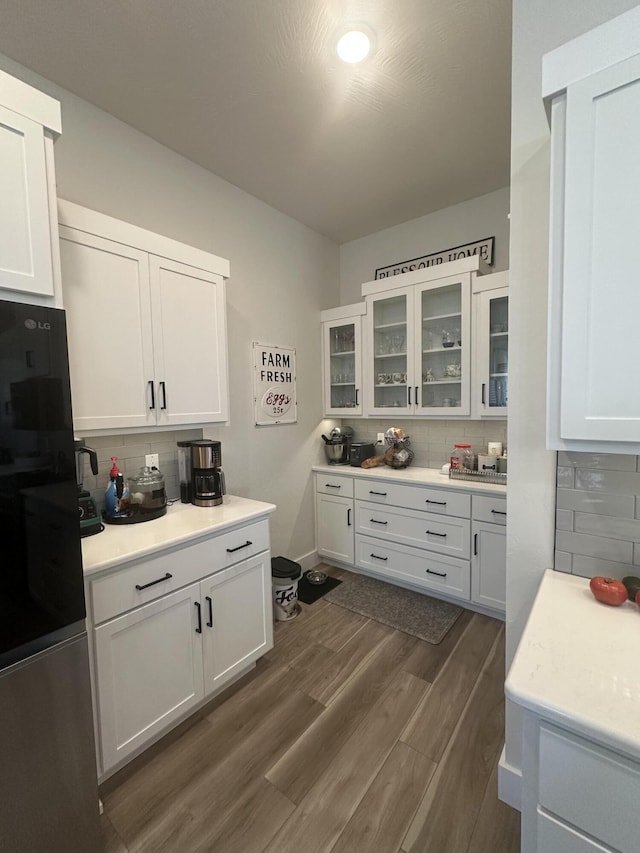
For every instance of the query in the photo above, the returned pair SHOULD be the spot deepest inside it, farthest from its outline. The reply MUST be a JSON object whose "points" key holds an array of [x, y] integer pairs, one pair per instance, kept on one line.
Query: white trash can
{"points": [[284, 580]]}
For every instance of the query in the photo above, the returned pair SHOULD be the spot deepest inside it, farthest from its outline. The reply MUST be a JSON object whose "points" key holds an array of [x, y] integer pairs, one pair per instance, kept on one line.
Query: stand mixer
{"points": [[88, 511]]}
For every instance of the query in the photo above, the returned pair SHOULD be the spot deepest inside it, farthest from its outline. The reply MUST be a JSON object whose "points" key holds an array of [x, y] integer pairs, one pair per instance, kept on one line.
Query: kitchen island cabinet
{"points": [[577, 678], [146, 321], [176, 612], [414, 527], [29, 263]]}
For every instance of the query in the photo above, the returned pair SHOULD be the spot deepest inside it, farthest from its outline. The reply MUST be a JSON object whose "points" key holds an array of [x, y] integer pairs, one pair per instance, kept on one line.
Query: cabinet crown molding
{"points": [[30, 103], [471, 264]]}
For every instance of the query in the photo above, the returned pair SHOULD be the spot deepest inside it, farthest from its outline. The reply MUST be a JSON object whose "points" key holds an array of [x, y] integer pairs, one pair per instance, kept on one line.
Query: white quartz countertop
{"points": [[119, 543], [414, 476], [578, 665]]}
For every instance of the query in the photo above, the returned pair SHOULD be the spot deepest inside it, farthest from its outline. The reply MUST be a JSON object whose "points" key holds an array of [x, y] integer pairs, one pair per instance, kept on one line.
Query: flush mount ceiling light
{"points": [[354, 46]]}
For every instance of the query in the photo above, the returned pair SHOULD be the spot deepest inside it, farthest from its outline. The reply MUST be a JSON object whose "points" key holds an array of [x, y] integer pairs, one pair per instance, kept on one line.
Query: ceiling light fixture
{"points": [[354, 46]]}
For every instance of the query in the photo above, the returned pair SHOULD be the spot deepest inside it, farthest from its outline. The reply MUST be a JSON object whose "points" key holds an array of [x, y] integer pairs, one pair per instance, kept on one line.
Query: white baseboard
{"points": [[509, 783], [308, 561]]}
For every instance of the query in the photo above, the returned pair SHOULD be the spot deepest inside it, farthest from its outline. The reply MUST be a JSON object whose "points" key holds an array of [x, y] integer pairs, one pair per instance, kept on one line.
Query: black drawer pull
{"points": [[475, 544], [498, 512], [199, 628], [349, 517], [433, 533], [483, 394], [376, 557], [375, 521], [380, 494], [331, 486], [207, 598], [153, 396], [439, 503], [164, 395], [239, 547], [153, 583], [439, 574]]}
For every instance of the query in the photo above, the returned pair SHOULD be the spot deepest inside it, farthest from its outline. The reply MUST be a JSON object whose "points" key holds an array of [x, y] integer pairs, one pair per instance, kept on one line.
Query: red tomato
{"points": [[638, 598], [608, 590]]}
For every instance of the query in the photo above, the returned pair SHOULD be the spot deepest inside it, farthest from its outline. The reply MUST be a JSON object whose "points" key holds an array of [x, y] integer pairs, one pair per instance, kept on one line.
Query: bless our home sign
{"points": [[483, 248], [274, 384]]}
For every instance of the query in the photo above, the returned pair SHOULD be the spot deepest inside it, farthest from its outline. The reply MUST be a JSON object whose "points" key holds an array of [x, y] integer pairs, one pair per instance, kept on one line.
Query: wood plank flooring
{"points": [[348, 737]]}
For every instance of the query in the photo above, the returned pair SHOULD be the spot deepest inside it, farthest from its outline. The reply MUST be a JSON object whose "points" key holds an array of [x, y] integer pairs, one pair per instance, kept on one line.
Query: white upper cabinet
{"points": [[342, 360], [490, 379], [592, 88], [146, 322], [29, 121], [418, 342]]}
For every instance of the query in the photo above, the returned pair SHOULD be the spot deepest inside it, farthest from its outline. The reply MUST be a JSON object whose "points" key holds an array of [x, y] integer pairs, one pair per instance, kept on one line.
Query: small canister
{"points": [[487, 462], [462, 457], [494, 448]]}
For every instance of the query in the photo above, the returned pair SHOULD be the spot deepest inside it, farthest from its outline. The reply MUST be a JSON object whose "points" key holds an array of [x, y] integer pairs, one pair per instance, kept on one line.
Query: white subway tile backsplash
{"points": [[562, 562], [608, 526], [601, 547], [589, 567], [564, 519], [602, 503], [620, 482], [565, 478], [608, 461]]}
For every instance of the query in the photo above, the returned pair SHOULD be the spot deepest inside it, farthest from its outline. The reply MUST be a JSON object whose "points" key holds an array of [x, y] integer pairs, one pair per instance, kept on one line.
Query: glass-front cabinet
{"points": [[490, 393], [342, 360], [418, 343]]}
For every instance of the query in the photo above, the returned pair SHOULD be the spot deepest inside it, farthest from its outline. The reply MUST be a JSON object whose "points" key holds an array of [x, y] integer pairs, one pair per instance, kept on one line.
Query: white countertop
{"points": [[119, 543], [577, 663], [415, 476]]}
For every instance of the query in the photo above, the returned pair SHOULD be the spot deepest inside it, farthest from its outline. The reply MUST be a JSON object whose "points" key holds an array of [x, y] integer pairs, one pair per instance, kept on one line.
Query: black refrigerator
{"points": [[48, 777]]}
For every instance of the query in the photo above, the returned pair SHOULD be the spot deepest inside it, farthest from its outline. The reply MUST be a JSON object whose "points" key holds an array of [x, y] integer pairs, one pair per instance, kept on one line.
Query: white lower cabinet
{"points": [[416, 535], [156, 662]]}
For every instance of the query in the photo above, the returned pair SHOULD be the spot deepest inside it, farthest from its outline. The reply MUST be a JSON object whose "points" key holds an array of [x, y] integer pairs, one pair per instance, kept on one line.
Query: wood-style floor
{"points": [[349, 737]]}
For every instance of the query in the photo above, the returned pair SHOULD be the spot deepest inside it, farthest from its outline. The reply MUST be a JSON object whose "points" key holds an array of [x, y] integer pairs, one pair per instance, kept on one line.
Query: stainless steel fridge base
{"points": [[48, 777]]}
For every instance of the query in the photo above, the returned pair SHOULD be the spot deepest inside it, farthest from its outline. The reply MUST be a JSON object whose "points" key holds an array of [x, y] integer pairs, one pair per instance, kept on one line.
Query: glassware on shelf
{"points": [[447, 340]]}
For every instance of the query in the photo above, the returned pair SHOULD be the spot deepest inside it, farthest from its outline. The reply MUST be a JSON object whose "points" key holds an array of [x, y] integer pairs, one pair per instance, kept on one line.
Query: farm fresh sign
{"points": [[483, 248], [274, 384]]}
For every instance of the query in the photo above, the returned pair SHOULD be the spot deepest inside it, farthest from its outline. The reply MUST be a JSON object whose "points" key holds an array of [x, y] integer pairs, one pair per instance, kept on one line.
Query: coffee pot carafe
{"points": [[207, 477]]}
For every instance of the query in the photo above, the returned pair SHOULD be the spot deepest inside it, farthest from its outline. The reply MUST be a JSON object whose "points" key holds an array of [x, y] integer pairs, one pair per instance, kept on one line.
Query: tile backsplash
{"points": [[131, 450], [432, 441], [598, 514]]}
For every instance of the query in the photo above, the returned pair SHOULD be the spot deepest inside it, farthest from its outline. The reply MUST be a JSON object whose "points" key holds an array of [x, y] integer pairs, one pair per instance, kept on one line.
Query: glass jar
{"points": [[462, 457]]}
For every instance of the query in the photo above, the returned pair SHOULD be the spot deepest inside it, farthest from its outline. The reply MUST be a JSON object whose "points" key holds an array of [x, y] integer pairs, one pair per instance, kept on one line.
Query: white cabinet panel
{"points": [[489, 565], [342, 360], [490, 390], [334, 527], [556, 837]]}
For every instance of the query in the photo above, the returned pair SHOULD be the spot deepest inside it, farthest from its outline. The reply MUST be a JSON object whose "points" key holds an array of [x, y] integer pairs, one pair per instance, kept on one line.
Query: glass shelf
{"points": [[438, 317], [384, 327]]}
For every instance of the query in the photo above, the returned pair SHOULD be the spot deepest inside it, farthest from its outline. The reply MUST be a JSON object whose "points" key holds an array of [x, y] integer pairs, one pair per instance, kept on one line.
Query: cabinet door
{"points": [[25, 231], [189, 342], [489, 565], [443, 336], [106, 296], [598, 257], [148, 670], [491, 329], [342, 367], [334, 528], [237, 619], [389, 372]]}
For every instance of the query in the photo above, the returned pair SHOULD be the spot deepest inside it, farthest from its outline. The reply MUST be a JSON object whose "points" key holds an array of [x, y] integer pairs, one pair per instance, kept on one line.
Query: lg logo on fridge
{"points": [[36, 324]]}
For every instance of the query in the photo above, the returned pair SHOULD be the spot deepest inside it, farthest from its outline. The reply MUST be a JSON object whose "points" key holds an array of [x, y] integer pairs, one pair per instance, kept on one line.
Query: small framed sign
{"points": [[274, 384]]}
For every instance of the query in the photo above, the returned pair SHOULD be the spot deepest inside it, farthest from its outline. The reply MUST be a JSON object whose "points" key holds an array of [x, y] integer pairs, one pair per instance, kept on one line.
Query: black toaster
{"points": [[359, 452]]}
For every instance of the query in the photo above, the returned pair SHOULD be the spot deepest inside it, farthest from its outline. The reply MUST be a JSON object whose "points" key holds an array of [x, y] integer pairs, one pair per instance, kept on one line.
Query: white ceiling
{"points": [[253, 91]]}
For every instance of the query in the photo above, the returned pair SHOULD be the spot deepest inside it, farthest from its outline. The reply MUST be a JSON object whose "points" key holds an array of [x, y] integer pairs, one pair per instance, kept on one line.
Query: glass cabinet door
{"points": [[491, 391], [391, 336], [342, 368], [443, 359]]}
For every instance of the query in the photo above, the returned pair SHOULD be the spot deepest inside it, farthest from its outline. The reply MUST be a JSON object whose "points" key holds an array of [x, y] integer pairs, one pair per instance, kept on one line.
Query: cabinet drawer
{"points": [[565, 759], [119, 591], [420, 529], [554, 836], [489, 509], [422, 568], [441, 501], [334, 484]]}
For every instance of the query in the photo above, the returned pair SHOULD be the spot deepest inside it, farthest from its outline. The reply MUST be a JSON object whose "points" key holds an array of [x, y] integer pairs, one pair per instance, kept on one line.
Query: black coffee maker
{"points": [[207, 477]]}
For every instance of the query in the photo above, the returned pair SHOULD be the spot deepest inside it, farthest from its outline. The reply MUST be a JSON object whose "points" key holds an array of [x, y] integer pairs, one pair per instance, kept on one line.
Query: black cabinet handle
{"points": [[475, 544], [199, 628], [331, 486], [164, 395], [439, 574], [349, 517], [380, 494], [375, 521], [416, 395], [207, 598], [376, 557], [239, 547], [483, 393], [498, 512], [153, 395], [439, 503], [433, 533], [409, 395], [153, 583], [357, 404]]}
